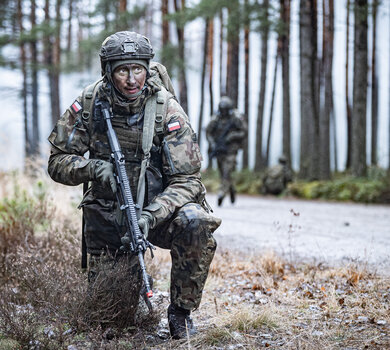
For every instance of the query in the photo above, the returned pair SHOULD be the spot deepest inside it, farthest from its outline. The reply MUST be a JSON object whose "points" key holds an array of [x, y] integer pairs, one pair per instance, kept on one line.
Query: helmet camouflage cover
{"points": [[125, 45]]}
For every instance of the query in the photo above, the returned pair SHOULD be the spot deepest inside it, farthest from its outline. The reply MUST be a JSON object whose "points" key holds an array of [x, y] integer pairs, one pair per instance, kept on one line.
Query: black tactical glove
{"points": [[144, 222], [104, 174]]}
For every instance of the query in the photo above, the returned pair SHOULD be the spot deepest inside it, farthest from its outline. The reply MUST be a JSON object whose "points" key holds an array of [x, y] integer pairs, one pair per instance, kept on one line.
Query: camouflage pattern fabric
{"points": [[233, 142], [276, 179], [192, 245], [236, 134], [177, 159], [226, 166]]}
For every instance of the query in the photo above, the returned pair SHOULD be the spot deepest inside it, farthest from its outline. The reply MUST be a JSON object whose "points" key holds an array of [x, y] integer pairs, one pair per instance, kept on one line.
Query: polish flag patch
{"points": [[174, 126], [76, 106]]}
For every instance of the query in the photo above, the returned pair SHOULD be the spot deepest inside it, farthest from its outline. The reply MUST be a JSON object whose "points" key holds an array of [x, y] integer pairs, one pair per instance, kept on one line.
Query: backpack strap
{"points": [[88, 98], [155, 110], [161, 110]]}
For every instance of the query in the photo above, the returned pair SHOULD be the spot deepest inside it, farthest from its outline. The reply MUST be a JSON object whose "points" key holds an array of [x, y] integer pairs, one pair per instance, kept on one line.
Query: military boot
{"points": [[180, 322], [232, 194], [220, 199]]}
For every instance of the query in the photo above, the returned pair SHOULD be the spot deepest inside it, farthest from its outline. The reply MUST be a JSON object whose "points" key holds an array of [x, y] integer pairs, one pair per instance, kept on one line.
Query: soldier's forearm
{"points": [[70, 169], [180, 191]]}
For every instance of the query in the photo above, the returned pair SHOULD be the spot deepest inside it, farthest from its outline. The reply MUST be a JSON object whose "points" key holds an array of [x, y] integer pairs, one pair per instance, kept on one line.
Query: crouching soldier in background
{"points": [[225, 134], [277, 177], [162, 161]]}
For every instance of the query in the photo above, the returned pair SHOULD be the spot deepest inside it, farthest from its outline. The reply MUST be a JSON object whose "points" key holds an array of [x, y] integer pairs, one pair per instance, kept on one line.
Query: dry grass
{"points": [[249, 302]]}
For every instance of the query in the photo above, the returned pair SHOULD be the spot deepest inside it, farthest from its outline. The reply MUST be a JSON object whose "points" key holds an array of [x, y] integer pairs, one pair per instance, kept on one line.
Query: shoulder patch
{"points": [[174, 126], [76, 106]]}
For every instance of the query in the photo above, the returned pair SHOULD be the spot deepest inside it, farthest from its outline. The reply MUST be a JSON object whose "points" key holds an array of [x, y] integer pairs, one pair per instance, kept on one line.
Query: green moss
{"points": [[344, 188]]}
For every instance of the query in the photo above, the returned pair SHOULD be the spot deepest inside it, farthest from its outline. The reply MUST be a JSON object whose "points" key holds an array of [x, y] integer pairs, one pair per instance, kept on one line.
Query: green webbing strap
{"points": [[155, 110], [147, 140], [88, 97], [162, 97]]}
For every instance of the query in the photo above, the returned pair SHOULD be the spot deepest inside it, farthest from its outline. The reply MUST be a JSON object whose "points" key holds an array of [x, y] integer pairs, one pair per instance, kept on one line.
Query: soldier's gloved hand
{"points": [[144, 222], [104, 174], [230, 138]]}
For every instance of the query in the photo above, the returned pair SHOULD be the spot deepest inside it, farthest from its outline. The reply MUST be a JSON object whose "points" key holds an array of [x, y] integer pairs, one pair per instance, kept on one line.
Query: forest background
{"points": [[311, 77], [326, 108]]}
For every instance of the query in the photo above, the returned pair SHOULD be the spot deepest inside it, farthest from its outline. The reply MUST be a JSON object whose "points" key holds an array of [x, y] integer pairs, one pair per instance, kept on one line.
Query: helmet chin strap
{"points": [[134, 96]]}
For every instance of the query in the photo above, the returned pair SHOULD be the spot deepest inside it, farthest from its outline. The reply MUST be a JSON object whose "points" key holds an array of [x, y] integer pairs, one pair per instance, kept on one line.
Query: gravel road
{"points": [[315, 230]]}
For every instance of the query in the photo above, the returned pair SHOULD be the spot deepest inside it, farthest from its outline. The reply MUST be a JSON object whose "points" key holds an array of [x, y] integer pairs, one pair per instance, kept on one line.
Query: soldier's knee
{"points": [[197, 226]]}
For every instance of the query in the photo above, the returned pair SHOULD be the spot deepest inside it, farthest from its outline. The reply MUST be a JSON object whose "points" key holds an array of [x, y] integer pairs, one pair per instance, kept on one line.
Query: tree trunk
{"points": [[210, 60], [200, 122], [233, 50], [165, 23], [327, 65], [285, 6], [360, 71], [222, 83], [245, 159], [374, 89], [34, 85], [182, 70], [259, 160], [309, 90], [121, 19], [347, 101], [271, 112], [55, 102], [48, 60], [80, 36], [23, 59], [69, 38], [106, 14]]}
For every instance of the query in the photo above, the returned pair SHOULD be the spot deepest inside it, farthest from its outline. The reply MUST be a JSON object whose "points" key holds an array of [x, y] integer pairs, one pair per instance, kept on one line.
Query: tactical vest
{"points": [[141, 154], [137, 146]]}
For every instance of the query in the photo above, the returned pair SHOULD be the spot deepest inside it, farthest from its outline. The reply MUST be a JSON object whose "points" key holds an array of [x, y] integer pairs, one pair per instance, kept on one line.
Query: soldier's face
{"points": [[129, 79], [225, 112]]}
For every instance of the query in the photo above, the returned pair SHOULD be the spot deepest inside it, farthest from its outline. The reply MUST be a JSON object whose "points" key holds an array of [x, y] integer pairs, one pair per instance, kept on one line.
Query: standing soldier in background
{"points": [[225, 134], [277, 177], [162, 160]]}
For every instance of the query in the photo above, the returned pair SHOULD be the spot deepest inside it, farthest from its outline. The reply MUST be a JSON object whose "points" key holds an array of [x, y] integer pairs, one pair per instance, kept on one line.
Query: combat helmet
{"points": [[282, 159], [125, 46], [225, 105]]}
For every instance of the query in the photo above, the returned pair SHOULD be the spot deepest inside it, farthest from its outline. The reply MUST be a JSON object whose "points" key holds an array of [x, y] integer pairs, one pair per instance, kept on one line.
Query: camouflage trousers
{"points": [[189, 237], [226, 166]]}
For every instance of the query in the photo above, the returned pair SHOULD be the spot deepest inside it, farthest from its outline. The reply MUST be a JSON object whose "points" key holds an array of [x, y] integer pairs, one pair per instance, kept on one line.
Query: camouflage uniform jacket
{"points": [[233, 138], [176, 161]]}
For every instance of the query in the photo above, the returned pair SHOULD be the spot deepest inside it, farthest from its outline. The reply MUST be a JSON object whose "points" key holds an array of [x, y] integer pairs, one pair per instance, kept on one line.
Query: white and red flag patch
{"points": [[174, 126], [76, 106]]}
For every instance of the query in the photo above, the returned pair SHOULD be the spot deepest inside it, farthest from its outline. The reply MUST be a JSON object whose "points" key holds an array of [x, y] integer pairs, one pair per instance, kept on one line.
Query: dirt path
{"points": [[321, 231]]}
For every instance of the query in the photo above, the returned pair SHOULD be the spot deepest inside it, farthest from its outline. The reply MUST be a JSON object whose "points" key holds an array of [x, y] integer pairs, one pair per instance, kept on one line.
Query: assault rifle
{"points": [[133, 241], [220, 146]]}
